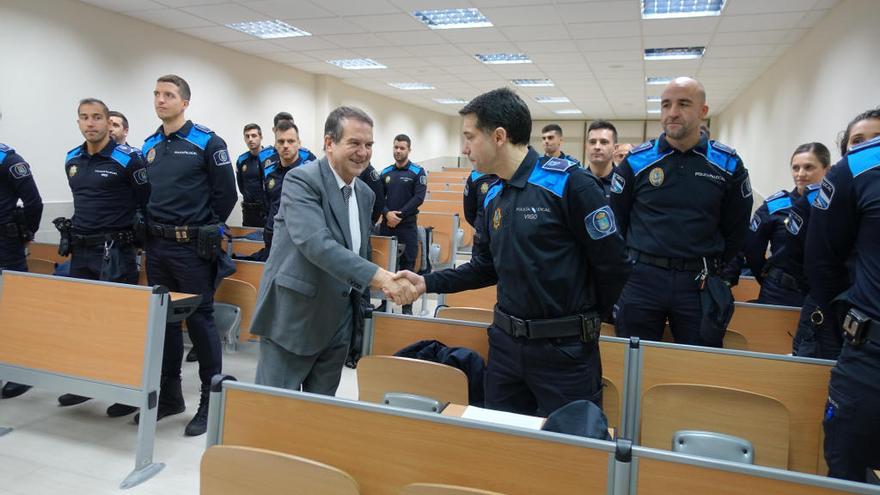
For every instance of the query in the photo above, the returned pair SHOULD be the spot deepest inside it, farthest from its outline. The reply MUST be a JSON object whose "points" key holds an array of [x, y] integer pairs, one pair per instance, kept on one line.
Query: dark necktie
{"points": [[346, 194]]}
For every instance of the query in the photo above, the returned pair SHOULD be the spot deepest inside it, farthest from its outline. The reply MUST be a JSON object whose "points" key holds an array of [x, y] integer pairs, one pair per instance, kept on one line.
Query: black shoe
{"points": [[191, 356], [199, 424], [407, 309], [12, 389], [119, 410], [170, 399], [71, 400]]}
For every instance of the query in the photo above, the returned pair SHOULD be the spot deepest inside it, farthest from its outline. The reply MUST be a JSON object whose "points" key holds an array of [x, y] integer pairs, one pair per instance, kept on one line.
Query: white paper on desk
{"points": [[503, 418]]}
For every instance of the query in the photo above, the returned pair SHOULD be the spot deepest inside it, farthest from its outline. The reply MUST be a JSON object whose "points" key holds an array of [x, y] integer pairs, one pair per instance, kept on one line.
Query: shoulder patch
{"points": [[476, 175], [493, 191], [20, 170], [73, 153], [415, 168], [125, 149], [558, 164], [374, 175], [242, 157], [746, 188], [5, 148], [722, 157], [777, 194], [387, 169], [778, 204], [150, 142], [723, 148], [812, 191], [203, 128], [617, 183], [864, 157], [221, 158], [268, 169], [141, 177], [199, 135], [793, 223], [4, 152], [120, 156], [266, 153], [600, 223], [644, 155], [825, 194], [552, 179]]}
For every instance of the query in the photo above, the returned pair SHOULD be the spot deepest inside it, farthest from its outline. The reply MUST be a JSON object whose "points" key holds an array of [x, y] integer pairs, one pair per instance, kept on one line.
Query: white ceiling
{"points": [[591, 49]]}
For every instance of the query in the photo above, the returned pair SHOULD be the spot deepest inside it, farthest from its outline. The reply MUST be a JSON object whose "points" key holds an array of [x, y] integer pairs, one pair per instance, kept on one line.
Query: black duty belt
{"points": [[586, 326], [679, 264], [783, 279], [183, 233], [859, 328], [122, 237]]}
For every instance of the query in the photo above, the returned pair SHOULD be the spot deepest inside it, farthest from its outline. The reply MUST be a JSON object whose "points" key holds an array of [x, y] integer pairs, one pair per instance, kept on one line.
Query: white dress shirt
{"points": [[354, 222]]}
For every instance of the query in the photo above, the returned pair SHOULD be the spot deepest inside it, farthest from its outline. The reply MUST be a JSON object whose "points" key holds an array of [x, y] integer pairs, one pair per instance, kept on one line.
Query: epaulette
{"points": [[811, 191], [266, 153], [387, 169], [778, 204], [494, 189], [73, 153], [4, 152], [558, 164], [864, 157], [415, 168], [644, 155], [551, 175], [122, 154], [242, 157], [151, 141], [476, 175], [777, 194], [304, 155], [199, 135], [722, 156]]}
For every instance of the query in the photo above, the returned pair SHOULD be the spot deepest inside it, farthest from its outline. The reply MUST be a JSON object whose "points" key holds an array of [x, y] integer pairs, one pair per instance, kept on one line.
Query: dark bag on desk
{"points": [[716, 300]]}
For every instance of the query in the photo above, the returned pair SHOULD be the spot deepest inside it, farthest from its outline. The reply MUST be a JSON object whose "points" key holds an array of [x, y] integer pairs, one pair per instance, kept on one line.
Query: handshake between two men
{"points": [[402, 287]]}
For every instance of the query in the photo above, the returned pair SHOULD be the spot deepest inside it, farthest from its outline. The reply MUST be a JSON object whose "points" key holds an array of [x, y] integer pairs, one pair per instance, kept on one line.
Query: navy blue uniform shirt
{"points": [[548, 240], [249, 176], [108, 187], [845, 220], [689, 205], [273, 178], [768, 226], [16, 182], [475, 190], [372, 179], [405, 190], [191, 177], [606, 181], [796, 227]]}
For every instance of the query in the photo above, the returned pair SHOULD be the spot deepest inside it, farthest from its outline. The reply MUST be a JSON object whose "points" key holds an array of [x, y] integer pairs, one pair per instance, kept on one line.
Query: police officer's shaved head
{"points": [[690, 84], [501, 108], [182, 85], [682, 110]]}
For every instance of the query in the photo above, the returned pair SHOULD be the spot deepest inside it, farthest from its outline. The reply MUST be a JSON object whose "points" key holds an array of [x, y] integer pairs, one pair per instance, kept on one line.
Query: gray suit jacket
{"points": [[311, 269]]}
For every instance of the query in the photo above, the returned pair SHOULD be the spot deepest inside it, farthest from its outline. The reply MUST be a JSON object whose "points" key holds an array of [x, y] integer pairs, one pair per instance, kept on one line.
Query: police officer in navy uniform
{"points": [[551, 137], [405, 186], [109, 185], [193, 193], [601, 140], [551, 244], [17, 224], [845, 220], [284, 157], [249, 177], [682, 203], [475, 189], [371, 177]]}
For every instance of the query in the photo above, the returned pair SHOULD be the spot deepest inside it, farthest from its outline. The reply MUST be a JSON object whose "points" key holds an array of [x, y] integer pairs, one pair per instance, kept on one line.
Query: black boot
{"points": [[12, 389], [118, 410], [71, 400], [191, 356], [199, 423], [170, 399]]}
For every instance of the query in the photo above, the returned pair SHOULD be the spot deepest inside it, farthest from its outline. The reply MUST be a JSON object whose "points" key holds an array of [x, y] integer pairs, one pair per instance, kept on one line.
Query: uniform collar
{"points": [[521, 176], [401, 168], [701, 147], [183, 131], [106, 151]]}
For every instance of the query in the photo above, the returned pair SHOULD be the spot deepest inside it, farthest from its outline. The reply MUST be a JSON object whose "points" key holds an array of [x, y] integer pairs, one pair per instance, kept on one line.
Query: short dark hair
{"points": [[819, 150], [93, 101], [333, 124], [114, 113], [602, 124], [866, 115], [405, 138], [281, 116], [501, 108], [182, 85], [251, 127], [552, 128], [286, 125]]}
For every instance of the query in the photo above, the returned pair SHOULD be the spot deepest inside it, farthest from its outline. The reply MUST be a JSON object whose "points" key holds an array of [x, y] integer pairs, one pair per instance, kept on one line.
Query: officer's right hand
{"points": [[416, 280], [392, 218]]}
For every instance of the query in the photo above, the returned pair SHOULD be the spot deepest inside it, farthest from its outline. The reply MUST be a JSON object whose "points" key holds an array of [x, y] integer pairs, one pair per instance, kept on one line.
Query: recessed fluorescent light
{"points": [[569, 111], [552, 99], [503, 58], [411, 86], [668, 9], [452, 18], [657, 81], [356, 63], [678, 53], [268, 29], [450, 101], [533, 83], [653, 99], [654, 111]]}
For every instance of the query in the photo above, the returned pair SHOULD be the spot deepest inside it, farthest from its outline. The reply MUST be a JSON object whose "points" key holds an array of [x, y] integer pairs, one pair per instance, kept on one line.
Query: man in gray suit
{"points": [[317, 272]]}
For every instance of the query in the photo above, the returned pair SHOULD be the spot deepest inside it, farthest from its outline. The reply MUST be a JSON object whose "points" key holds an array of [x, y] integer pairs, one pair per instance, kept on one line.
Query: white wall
{"points": [[810, 94], [56, 52]]}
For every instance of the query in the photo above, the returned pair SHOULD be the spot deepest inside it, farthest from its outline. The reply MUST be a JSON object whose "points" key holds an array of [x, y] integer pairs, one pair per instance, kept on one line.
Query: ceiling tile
{"points": [[329, 25], [125, 5], [741, 7], [305, 43], [356, 40], [590, 30], [479, 35], [754, 38], [382, 52], [527, 33], [217, 34], [432, 50], [289, 57], [503, 3], [225, 13], [674, 40], [530, 15], [284, 9], [256, 47], [743, 23], [187, 3], [697, 25], [349, 8], [424, 37], [547, 47], [811, 18], [610, 44], [387, 22], [598, 11], [724, 51], [171, 19]]}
